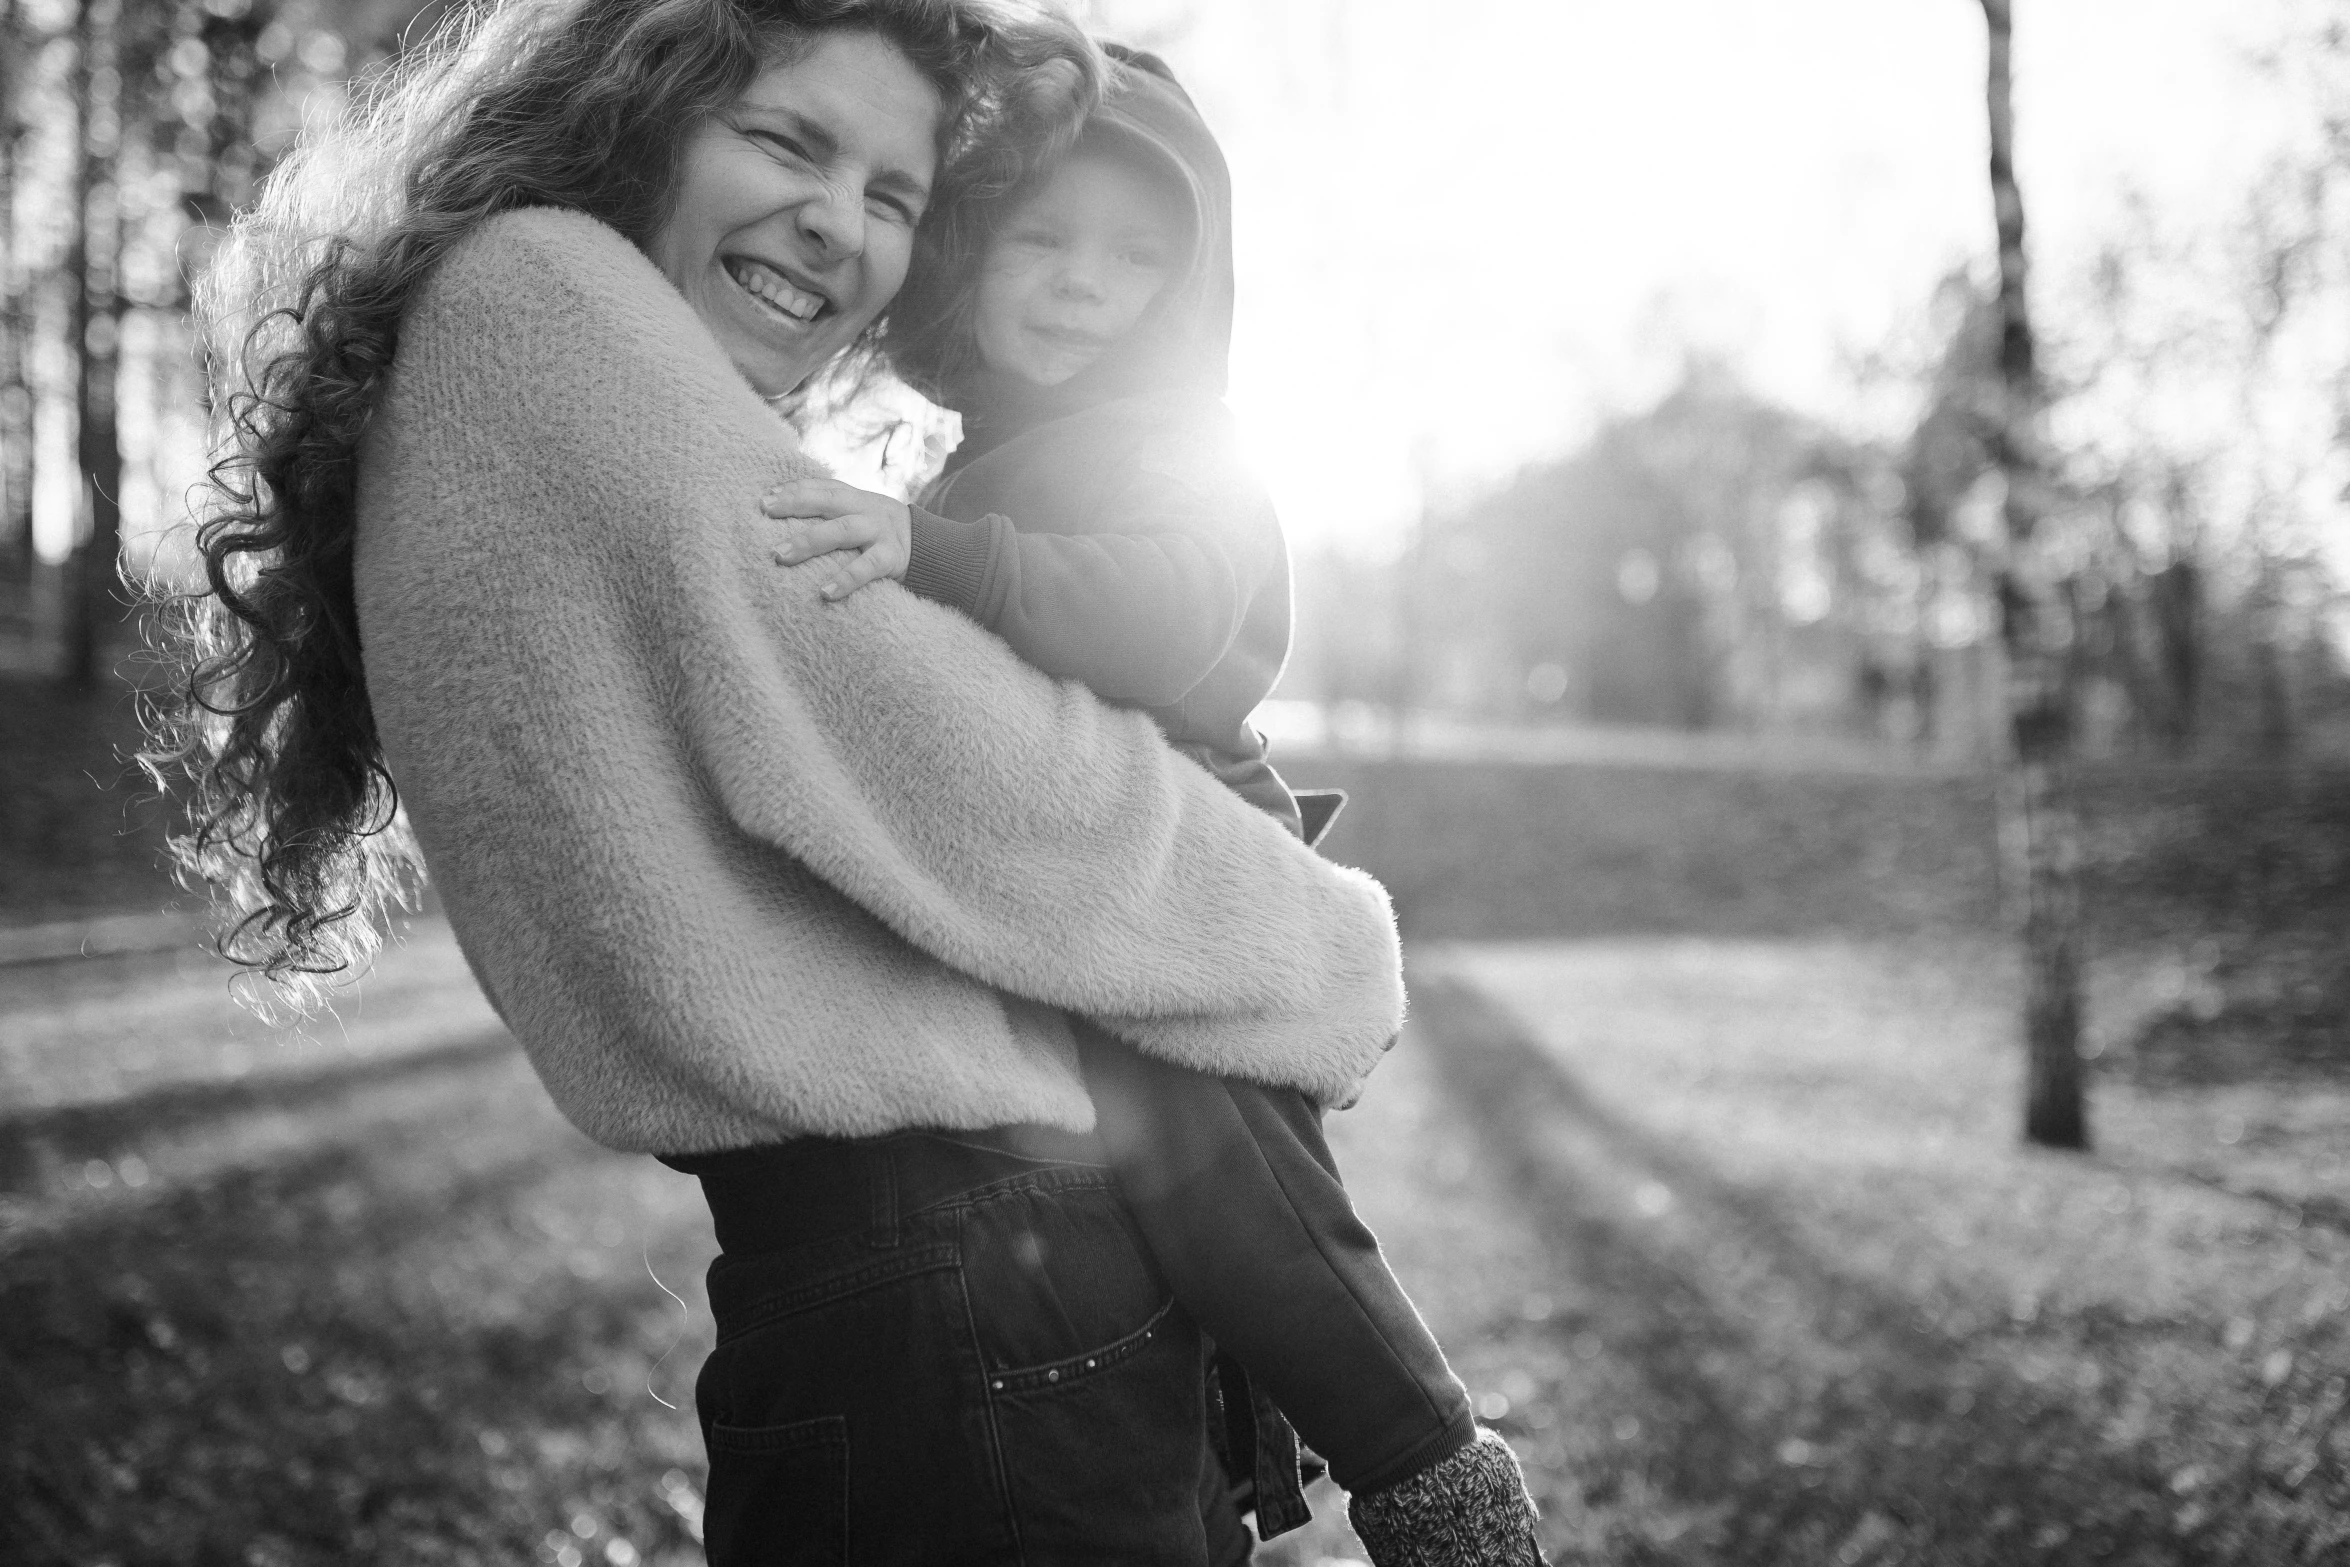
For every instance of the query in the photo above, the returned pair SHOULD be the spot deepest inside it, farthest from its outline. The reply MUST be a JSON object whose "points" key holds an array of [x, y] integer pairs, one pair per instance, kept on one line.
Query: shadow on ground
{"points": [[425, 1329], [1791, 1409]]}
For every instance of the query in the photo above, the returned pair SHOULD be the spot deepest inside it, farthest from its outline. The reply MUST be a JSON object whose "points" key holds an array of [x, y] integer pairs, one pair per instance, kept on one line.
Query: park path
{"points": [[1731, 1238]]}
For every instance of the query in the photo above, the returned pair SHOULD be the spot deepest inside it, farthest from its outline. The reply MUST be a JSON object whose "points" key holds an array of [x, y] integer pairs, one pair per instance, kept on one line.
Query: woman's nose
{"points": [[835, 220]]}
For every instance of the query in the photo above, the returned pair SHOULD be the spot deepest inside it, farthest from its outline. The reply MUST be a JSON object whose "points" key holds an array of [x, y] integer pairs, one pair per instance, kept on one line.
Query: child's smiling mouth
{"points": [[1071, 339], [774, 292]]}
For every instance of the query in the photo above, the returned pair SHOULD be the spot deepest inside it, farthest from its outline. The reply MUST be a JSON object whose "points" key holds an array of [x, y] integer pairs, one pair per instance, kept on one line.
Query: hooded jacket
{"points": [[1107, 527]]}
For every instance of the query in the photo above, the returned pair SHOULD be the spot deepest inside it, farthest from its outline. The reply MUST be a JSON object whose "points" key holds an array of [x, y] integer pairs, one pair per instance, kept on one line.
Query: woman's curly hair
{"points": [[266, 729]]}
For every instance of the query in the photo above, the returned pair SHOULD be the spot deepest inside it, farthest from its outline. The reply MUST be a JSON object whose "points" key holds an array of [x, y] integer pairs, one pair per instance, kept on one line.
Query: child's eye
{"points": [[1148, 260]]}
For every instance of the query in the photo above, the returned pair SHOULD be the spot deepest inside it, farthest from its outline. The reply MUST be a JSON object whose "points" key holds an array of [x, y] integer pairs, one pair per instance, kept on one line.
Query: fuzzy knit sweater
{"points": [[736, 864]]}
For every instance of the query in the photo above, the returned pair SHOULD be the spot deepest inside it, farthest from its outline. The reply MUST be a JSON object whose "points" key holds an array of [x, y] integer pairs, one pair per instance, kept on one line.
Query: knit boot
{"points": [[1471, 1510]]}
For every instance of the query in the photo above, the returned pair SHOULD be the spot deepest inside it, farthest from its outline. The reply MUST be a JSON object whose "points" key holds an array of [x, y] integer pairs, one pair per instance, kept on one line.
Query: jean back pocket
{"points": [[779, 1494], [1095, 1380]]}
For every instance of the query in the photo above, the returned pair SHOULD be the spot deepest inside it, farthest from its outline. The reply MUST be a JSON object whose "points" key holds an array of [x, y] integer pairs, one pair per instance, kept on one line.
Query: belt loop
{"points": [[885, 1194]]}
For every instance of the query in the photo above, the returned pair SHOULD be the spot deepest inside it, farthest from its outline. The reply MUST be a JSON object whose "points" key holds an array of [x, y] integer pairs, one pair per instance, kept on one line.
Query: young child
{"points": [[1097, 518]]}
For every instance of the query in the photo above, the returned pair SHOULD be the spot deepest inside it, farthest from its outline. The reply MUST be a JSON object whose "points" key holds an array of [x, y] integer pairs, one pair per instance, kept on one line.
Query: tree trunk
{"points": [[1929, 692], [2040, 820], [94, 286], [16, 399], [1403, 672], [233, 74], [2176, 593], [2272, 691]]}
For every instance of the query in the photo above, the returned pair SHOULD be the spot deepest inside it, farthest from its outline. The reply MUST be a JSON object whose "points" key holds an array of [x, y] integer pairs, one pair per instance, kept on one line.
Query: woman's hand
{"points": [[827, 515]]}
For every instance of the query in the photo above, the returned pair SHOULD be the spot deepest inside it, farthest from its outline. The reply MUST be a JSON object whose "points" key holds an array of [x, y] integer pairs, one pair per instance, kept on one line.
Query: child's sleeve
{"points": [[1142, 607]]}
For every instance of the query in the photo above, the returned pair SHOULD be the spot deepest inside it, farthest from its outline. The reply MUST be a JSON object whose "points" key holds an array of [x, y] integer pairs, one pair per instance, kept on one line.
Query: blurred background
{"points": [[1676, 556]]}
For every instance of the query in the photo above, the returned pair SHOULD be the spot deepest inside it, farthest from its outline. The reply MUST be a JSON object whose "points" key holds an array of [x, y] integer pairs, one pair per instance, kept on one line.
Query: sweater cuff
{"points": [[947, 560]]}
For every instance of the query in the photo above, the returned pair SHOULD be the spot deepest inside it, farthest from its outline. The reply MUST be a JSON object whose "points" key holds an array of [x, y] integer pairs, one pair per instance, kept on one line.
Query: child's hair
{"points": [[930, 337], [580, 104]]}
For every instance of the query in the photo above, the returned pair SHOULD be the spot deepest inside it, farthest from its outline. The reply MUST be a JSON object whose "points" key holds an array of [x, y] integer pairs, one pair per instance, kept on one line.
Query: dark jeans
{"points": [[1237, 1194], [948, 1348]]}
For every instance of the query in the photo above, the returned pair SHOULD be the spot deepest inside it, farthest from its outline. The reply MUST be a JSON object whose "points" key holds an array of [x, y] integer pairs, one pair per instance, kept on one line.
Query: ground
{"points": [[1735, 1239], [1731, 1236], [360, 1295], [1712, 1189]]}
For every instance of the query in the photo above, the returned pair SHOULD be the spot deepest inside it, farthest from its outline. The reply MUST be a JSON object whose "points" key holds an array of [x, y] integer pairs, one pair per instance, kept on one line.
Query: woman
{"points": [[738, 867]]}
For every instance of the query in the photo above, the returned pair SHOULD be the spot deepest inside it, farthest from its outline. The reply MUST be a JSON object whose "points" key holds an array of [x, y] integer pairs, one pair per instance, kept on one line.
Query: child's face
{"points": [[1074, 268]]}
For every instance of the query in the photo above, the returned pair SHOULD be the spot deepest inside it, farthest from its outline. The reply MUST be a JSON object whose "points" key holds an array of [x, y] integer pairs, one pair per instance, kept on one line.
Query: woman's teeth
{"points": [[768, 286]]}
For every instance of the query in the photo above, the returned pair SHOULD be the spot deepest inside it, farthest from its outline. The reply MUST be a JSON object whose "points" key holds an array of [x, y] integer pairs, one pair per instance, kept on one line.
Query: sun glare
{"points": [[1459, 246]]}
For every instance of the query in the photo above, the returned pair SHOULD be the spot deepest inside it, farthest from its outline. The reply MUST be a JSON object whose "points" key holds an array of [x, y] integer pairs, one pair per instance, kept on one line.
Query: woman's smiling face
{"points": [[794, 214]]}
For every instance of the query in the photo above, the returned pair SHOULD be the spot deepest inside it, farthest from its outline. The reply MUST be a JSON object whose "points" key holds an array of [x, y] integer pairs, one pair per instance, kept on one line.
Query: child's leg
{"points": [[1236, 1192]]}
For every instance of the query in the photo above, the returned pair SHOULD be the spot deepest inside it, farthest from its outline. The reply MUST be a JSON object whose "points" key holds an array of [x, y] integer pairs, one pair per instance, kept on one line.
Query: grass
{"points": [[1749, 1262], [1732, 1236], [333, 1300], [432, 1337]]}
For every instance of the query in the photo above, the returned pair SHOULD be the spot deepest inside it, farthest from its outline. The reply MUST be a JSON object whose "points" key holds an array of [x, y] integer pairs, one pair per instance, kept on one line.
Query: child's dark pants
{"points": [[940, 1347], [1238, 1196]]}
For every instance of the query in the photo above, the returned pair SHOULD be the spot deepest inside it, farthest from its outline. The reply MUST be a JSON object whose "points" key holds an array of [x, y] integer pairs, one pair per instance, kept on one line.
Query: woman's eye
{"points": [[784, 143], [895, 208]]}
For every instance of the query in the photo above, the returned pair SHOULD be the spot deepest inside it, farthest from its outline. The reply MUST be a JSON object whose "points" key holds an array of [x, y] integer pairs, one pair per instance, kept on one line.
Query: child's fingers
{"points": [[811, 537], [868, 566], [811, 498]]}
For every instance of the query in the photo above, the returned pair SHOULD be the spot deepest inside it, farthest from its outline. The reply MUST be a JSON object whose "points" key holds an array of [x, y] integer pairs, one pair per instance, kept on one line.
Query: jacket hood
{"points": [[1184, 341]]}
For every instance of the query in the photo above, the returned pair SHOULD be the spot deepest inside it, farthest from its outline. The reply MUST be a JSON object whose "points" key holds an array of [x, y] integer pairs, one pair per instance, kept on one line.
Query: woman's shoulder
{"points": [[549, 375], [516, 329], [535, 258], [557, 237], [542, 302]]}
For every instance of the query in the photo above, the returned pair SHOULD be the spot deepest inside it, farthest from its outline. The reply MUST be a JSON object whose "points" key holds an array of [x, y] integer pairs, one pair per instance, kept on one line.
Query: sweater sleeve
{"points": [[953, 563], [1008, 824], [1140, 606]]}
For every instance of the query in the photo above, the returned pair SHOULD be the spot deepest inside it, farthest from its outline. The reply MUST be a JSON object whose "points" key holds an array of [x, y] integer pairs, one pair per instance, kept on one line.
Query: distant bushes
{"points": [[80, 833], [1496, 849]]}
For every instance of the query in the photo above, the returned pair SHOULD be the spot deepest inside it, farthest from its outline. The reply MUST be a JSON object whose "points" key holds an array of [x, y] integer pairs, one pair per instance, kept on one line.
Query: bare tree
{"points": [[2038, 814], [2285, 229], [94, 287], [16, 401]]}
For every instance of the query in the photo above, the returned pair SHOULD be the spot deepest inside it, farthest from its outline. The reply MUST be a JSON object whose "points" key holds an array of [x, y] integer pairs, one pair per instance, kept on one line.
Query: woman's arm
{"points": [[1012, 826]]}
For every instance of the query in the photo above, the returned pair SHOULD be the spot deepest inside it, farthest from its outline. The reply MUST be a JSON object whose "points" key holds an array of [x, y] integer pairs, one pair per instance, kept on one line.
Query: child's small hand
{"points": [[827, 515]]}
